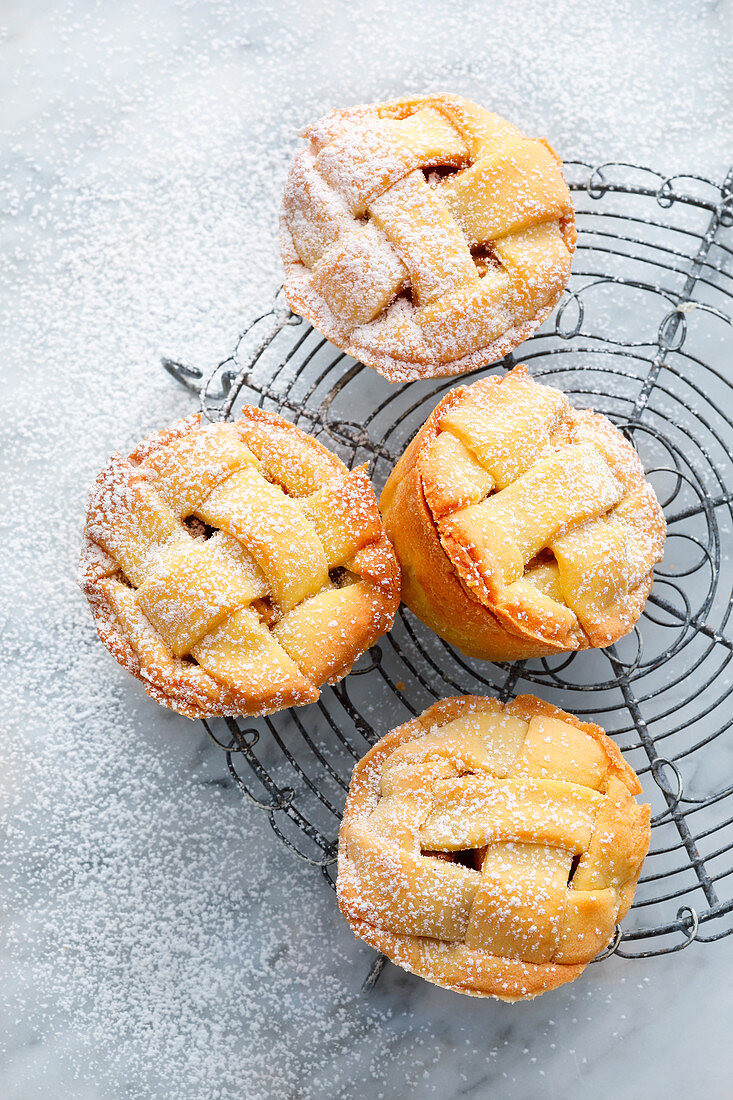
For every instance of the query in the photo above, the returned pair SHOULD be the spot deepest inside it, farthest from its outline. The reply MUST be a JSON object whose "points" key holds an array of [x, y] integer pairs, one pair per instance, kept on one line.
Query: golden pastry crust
{"points": [[523, 527], [426, 236], [491, 848], [235, 568]]}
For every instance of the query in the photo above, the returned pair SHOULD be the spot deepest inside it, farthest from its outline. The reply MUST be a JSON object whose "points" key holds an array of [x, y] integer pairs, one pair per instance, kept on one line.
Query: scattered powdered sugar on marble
{"points": [[158, 940]]}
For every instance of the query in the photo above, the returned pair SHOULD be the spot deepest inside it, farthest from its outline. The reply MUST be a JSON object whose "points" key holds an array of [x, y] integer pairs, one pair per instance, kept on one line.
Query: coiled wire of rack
{"points": [[642, 333]]}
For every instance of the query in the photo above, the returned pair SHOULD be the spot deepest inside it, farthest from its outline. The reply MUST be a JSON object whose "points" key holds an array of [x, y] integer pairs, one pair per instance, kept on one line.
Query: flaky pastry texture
{"points": [[523, 527], [491, 848], [425, 236], [234, 568]]}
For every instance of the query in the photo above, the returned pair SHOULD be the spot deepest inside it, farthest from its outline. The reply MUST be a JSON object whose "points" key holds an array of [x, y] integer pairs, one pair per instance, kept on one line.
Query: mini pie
{"points": [[425, 236], [491, 849], [523, 526], [235, 568]]}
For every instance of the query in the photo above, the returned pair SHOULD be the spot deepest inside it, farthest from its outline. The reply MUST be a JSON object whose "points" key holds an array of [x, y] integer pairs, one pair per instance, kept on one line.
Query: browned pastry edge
{"points": [[437, 572], [190, 690], [312, 307], [316, 313], [503, 978]]}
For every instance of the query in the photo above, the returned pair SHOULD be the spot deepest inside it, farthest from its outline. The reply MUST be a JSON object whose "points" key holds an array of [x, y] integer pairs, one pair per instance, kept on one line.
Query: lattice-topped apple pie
{"points": [[234, 568], [491, 849], [425, 236], [524, 527]]}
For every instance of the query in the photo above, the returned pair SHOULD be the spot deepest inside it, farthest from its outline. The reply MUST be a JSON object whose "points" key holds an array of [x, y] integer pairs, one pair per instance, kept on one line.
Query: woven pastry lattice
{"points": [[643, 334]]}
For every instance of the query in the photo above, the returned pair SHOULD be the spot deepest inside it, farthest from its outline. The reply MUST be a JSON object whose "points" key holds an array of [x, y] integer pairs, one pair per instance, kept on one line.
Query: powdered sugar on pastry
{"points": [[417, 271], [235, 568], [524, 526], [489, 848]]}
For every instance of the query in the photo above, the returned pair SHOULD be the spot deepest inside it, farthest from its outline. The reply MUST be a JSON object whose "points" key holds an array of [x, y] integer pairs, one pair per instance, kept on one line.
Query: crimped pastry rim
{"points": [[520, 980], [315, 310], [183, 693]]}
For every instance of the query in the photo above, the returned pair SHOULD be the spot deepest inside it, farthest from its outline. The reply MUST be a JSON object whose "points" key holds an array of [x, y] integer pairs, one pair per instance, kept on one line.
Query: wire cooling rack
{"points": [[642, 335]]}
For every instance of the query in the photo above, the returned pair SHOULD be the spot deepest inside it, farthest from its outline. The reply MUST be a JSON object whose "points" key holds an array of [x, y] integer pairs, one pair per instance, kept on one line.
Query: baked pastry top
{"points": [[234, 568], [425, 236], [491, 849], [523, 526]]}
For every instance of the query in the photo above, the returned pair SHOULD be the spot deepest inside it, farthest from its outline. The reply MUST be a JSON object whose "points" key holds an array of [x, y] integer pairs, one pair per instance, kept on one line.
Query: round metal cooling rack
{"points": [[642, 335]]}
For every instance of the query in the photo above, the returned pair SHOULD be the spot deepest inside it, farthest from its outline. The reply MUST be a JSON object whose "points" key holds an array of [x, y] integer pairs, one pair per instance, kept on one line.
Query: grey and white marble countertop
{"points": [[157, 940]]}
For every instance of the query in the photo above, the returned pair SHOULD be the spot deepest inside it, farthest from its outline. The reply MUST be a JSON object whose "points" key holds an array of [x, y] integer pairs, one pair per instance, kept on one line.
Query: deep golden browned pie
{"points": [[523, 526], [235, 568], [491, 849], [426, 236]]}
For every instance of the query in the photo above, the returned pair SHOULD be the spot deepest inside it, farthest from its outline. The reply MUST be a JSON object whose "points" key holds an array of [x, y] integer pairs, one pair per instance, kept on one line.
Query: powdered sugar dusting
{"points": [[507, 196], [158, 940], [491, 875]]}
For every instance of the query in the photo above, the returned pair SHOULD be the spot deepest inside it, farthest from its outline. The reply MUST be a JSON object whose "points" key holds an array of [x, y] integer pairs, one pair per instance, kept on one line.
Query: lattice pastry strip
{"points": [[416, 220], [275, 530], [208, 561], [491, 848], [307, 632], [503, 430], [195, 586], [370, 157], [190, 467], [507, 192], [360, 275], [523, 525], [243, 653], [504, 532], [333, 511], [425, 236], [517, 880]]}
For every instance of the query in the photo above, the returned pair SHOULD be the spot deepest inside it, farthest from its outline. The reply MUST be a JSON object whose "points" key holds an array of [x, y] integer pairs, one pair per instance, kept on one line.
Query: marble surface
{"points": [[157, 940]]}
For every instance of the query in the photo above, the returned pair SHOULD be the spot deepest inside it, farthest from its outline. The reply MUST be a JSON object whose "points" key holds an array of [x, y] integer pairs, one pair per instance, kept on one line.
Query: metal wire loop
{"points": [[659, 778], [574, 298], [672, 331], [613, 945], [694, 923], [596, 183]]}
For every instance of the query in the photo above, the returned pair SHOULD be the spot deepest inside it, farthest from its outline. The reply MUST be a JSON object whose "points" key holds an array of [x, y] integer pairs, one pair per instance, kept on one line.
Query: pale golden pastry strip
{"points": [[426, 238], [194, 586], [316, 213], [505, 531], [244, 655], [274, 529], [507, 192], [187, 470], [345, 616], [590, 916], [620, 828], [472, 811], [461, 324], [377, 154], [508, 426], [359, 276], [296, 461], [409, 892], [345, 516], [536, 260], [553, 749], [128, 518], [452, 477], [516, 881]]}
